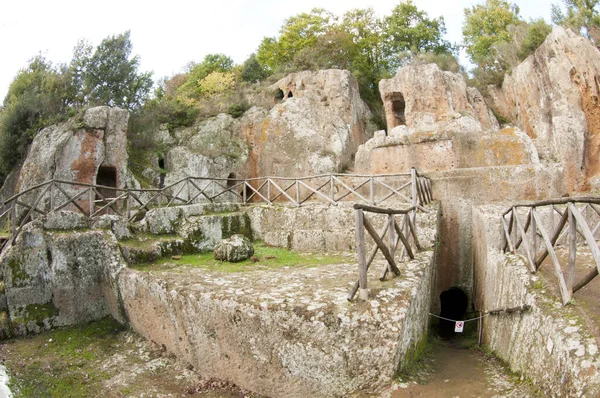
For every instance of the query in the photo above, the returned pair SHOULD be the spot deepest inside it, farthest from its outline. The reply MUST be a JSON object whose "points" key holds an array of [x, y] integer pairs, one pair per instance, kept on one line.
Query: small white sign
{"points": [[458, 327]]}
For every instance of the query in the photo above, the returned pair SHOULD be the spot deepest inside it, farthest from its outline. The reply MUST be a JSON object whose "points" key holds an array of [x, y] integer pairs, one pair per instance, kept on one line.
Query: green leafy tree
{"points": [[536, 32], [297, 33], [111, 77], [252, 70], [191, 88], [36, 97], [409, 29], [582, 16], [487, 25]]}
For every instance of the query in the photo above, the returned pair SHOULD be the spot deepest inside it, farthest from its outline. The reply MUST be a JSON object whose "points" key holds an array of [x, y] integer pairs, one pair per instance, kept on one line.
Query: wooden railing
{"points": [[93, 200], [536, 230], [403, 232]]}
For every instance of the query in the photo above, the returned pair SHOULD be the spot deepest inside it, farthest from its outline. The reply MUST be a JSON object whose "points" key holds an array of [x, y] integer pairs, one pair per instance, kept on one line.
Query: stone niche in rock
{"points": [[553, 97]]}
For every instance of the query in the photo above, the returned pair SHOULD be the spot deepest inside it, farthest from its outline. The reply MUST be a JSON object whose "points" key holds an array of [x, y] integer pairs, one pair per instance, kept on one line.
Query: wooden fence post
{"points": [[363, 292], [371, 191], [572, 251], [91, 199]]}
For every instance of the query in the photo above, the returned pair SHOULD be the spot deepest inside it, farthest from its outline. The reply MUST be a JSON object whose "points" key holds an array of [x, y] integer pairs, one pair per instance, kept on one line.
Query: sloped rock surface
{"points": [[553, 97]]}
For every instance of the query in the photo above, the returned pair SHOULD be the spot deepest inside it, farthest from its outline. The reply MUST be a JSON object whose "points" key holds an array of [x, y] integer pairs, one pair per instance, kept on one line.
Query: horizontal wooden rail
{"points": [[410, 189]]}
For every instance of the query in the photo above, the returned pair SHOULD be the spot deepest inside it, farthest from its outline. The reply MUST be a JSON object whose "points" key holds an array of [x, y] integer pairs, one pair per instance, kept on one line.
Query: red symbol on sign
{"points": [[458, 327]]}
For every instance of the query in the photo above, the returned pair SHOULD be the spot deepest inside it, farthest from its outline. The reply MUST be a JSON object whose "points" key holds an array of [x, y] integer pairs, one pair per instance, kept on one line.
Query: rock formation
{"points": [[425, 98], [553, 97], [315, 127]]}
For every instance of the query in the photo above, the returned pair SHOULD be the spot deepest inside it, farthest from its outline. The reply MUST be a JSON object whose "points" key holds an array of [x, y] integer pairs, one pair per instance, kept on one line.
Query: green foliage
{"points": [[410, 29], [297, 33], [36, 97], [582, 16], [537, 31], [237, 110], [110, 75], [194, 85], [252, 70], [497, 39], [486, 25]]}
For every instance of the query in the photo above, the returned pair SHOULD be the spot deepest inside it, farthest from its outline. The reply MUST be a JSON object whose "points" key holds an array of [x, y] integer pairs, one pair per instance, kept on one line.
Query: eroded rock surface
{"points": [[425, 98], [553, 97]]}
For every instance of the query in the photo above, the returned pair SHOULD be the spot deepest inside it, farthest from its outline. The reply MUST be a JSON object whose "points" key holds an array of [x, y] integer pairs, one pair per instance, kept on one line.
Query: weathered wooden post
{"points": [[52, 195], [371, 190], [572, 251], [331, 187], [363, 292], [91, 199]]}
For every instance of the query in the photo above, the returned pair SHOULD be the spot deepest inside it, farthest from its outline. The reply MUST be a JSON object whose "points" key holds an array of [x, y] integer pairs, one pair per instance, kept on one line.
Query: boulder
{"points": [[553, 97], [425, 98], [234, 249]]}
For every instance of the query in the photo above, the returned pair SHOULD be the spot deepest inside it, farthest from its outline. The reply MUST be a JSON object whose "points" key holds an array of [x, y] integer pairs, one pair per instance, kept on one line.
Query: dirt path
{"points": [[453, 371]]}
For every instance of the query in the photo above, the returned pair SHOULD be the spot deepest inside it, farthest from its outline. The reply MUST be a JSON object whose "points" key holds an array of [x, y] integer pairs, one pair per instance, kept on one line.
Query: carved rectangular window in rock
{"points": [[398, 106]]}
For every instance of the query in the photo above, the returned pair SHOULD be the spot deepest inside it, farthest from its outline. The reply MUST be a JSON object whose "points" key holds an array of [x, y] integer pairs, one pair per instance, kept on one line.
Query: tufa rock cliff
{"points": [[553, 97]]}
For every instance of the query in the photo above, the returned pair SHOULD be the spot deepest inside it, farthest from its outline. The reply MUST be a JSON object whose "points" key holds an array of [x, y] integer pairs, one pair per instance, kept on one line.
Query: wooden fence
{"points": [[403, 232], [536, 230], [93, 200]]}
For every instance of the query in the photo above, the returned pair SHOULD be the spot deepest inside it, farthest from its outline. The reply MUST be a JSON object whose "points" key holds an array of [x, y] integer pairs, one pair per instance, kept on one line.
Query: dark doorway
{"points": [[107, 177], [398, 108], [278, 96], [163, 171], [231, 180], [453, 303], [290, 94]]}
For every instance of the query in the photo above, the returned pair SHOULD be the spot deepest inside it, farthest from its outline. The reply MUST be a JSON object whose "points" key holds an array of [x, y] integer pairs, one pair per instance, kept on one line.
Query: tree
{"points": [[252, 70], [487, 25], [111, 77], [409, 29], [190, 89], [297, 33], [38, 96], [582, 16]]}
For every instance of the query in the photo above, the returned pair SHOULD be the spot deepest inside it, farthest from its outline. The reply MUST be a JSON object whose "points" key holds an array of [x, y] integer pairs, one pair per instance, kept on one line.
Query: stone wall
{"points": [[325, 228], [548, 344], [289, 332], [459, 190]]}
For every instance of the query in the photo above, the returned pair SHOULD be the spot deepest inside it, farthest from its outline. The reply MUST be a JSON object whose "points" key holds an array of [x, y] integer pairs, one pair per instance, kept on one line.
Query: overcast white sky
{"points": [[169, 34]]}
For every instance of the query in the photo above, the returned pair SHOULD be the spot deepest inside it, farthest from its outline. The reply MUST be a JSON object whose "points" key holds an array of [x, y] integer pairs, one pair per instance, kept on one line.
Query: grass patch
{"points": [[267, 258], [61, 363]]}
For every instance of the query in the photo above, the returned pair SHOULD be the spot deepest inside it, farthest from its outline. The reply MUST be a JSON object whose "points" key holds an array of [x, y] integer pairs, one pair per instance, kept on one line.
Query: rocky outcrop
{"points": [[88, 149], [425, 98], [315, 127], [553, 97], [76, 149], [54, 278]]}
